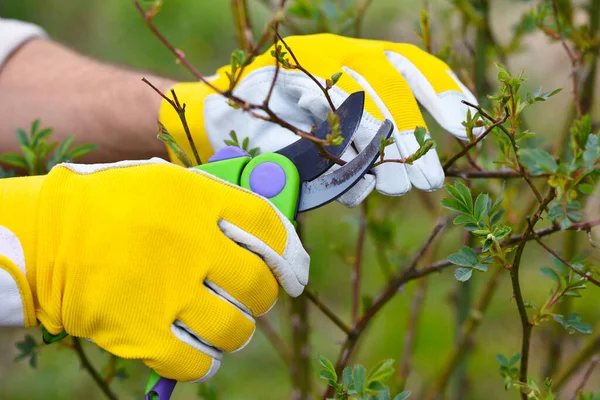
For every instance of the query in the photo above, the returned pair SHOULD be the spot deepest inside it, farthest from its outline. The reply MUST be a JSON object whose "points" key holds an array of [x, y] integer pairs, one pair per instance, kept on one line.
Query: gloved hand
{"points": [[147, 259], [392, 75]]}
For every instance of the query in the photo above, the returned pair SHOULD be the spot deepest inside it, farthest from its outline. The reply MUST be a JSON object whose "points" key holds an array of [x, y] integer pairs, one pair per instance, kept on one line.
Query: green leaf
{"points": [[381, 371], [487, 244], [480, 267], [245, 143], [500, 232], [81, 150], [497, 216], [585, 188], [514, 359], [325, 363], [464, 219], [481, 204], [572, 293], [22, 137], [383, 395], [538, 161], [461, 193], [403, 396], [550, 273], [347, 378], [40, 137], [502, 359], [455, 205], [420, 133], [463, 274], [35, 125], [359, 379], [174, 147], [335, 78], [300, 9], [328, 375], [376, 386], [592, 151], [14, 160], [466, 194], [30, 159], [465, 257]]}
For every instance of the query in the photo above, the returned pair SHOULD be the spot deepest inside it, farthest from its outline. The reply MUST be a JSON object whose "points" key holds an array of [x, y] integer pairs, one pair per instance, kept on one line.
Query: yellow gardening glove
{"points": [[148, 259], [394, 77]]}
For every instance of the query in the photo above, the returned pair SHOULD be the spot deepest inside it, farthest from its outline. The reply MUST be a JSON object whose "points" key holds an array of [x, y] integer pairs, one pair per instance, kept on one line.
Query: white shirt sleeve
{"points": [[14, 33]]}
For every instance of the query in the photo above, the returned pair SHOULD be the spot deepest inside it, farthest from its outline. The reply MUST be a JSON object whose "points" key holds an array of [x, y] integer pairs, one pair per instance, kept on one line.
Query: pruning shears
{"points": [[292, 179]]}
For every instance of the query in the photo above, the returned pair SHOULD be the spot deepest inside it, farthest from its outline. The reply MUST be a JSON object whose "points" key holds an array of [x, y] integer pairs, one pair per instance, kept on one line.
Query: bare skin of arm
{"points": [[77, 96]]}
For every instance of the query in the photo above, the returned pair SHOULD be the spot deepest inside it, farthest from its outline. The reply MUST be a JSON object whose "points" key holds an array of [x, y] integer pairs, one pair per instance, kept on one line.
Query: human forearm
{"points": [[77, 96]]}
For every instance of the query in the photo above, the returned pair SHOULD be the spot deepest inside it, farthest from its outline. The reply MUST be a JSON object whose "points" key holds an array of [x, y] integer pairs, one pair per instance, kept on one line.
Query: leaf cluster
{"points": [[483, 219], [566, 284], [357, 383], [508, 369], [28, 349], [245, 145], [39, 155]]}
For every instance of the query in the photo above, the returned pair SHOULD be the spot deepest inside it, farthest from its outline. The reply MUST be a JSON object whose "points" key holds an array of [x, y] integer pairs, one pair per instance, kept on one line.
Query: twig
{"points": [[489, 174], [574, 60], [442, 264], [242, 22], [274, 339], [516, 285], [358, 259], [181, 112], [468, 147], [327, 311], [586, 377], [306, 72], [522, 169], [243, 105], [87, 365], [389, 292], [586, 276]]}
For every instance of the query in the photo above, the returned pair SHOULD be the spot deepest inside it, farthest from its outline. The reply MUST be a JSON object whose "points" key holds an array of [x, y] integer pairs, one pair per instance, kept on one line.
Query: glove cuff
{"points": [[191, 94], [18, 209]]}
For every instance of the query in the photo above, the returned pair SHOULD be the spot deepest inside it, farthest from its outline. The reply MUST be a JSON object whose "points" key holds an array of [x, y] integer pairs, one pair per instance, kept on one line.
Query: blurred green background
{"points": [[112, 31]]}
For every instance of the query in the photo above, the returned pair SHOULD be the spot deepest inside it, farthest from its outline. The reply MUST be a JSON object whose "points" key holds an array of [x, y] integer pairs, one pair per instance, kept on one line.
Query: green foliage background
{"points": [[111, 30]]}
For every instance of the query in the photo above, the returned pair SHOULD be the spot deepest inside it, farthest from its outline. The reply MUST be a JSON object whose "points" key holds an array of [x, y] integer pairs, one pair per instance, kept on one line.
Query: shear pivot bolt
{"points": [[267, 179]]}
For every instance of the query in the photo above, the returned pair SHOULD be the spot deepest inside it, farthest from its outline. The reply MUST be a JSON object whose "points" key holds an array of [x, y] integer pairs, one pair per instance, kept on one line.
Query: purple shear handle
{"points": [[227, 153], [162, 389]]}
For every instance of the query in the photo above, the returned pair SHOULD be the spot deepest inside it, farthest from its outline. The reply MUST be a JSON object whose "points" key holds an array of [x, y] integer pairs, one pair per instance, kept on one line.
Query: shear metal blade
{"points": [[329, 187], [305, 154]]}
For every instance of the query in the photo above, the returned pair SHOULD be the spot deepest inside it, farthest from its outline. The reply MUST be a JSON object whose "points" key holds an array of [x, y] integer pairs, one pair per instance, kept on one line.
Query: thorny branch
{"points": [[586, 276], [254, 109], [516, 284], [380, 300], [274, 338], [469, 146]]}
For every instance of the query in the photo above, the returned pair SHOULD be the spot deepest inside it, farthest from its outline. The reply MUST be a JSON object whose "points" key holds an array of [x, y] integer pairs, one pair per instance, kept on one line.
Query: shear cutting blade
{"points": [[329, 187], [304, 153]]}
